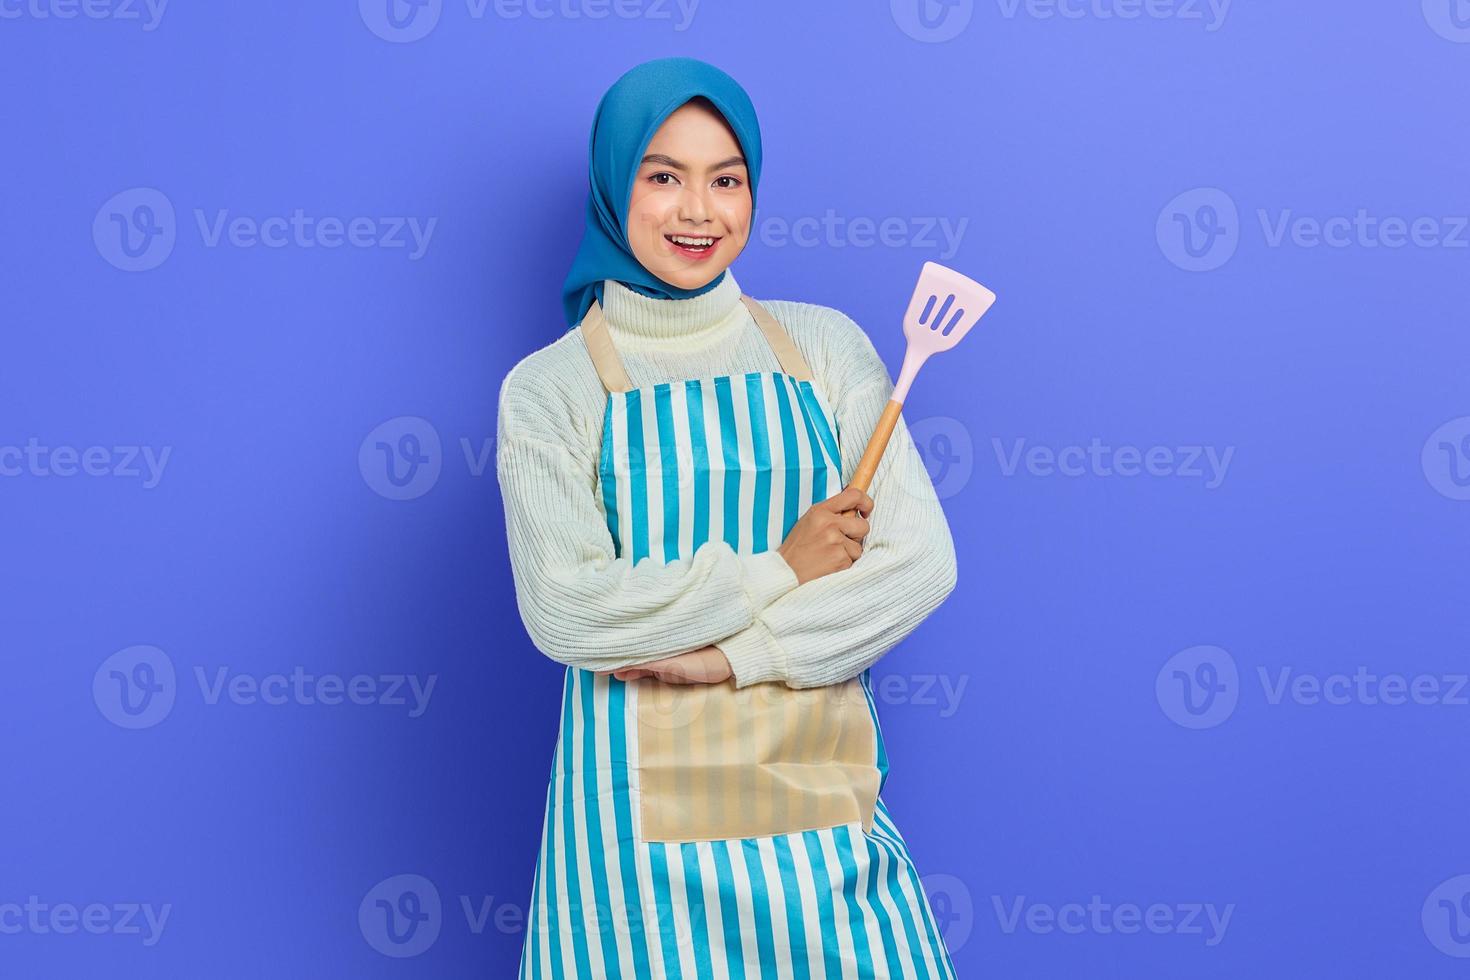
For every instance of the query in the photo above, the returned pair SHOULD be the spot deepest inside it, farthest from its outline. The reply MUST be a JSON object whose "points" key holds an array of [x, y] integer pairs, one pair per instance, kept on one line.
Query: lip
{"points": [[691, 254]]}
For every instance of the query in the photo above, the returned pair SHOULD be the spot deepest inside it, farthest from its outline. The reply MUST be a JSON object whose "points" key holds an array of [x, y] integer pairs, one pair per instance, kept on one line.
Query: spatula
{"points": [[944, 307]]}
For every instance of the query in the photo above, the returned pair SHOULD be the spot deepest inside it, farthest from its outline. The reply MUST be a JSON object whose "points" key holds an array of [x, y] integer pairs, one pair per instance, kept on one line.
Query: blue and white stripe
{"points": [[734, 458]]}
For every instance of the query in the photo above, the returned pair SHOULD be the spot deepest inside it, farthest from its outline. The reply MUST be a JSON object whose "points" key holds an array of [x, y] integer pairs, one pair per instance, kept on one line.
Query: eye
{"points": [[733, 182], [656, 178]]}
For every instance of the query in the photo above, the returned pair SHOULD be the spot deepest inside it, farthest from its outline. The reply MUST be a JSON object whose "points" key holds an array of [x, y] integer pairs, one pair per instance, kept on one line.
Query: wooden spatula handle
{"points": [[868, 465]]}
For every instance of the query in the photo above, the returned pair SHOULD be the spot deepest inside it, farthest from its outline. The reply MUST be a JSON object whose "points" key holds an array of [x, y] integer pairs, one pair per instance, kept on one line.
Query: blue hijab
{"points": [[627, 117]]}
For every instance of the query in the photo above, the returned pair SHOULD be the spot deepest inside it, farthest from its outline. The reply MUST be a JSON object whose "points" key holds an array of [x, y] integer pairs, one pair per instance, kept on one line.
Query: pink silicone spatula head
{"points": [[944, 307]]}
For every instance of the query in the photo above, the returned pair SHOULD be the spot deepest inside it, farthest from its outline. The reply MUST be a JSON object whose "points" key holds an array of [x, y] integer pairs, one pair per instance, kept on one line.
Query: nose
{"points": [[692, 205]]}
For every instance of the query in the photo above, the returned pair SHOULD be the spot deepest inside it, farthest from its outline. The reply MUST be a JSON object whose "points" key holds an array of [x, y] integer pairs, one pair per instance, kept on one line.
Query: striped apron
{"points": [[702, 831]]}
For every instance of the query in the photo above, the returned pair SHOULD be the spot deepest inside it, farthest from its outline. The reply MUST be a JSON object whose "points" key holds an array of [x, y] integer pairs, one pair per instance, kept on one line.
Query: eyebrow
{"points": [[669, 161]]}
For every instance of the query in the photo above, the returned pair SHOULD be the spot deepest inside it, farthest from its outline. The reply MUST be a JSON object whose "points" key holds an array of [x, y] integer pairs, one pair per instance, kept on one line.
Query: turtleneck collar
{"points": [[638, 322]]}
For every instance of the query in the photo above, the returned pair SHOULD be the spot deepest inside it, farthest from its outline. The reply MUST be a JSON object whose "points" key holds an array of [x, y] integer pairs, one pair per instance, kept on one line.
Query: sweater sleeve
{"points": [[830, 629], [581, 604]]}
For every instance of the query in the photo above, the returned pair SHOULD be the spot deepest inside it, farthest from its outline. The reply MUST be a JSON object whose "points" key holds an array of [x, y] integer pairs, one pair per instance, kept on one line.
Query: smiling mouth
{"points": [[693, 244]]}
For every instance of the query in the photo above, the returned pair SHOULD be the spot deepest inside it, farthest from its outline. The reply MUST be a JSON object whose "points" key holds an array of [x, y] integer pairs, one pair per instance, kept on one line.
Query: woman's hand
{"points": [[828, 537], [707, 665]]}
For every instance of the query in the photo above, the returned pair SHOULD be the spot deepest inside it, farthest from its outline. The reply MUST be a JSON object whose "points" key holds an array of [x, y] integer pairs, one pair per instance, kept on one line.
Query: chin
{"points": [[694, 280]]}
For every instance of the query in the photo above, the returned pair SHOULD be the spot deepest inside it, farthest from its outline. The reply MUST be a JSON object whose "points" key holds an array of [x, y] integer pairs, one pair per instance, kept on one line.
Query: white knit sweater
{"points": [[587, 608]]}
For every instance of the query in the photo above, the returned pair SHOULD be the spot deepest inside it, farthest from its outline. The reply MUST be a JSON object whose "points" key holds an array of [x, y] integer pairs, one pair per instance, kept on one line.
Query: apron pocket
{"points": [[720, 763]]}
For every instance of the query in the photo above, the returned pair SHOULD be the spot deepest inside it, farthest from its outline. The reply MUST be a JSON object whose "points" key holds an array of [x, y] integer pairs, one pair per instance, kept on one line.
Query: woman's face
{"points": [[689, 213]]}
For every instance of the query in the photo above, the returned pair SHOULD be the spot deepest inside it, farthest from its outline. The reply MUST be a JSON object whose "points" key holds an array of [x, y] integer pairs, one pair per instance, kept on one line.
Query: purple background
{"points": [[1071, 764]]}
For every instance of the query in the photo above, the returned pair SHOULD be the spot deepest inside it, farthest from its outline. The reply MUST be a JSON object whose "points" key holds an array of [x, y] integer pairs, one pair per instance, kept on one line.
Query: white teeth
{"points": [[686, 240]]}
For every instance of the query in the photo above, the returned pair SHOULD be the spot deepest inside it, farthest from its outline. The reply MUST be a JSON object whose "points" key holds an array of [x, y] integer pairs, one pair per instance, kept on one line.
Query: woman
{"points": [[680, 539]]}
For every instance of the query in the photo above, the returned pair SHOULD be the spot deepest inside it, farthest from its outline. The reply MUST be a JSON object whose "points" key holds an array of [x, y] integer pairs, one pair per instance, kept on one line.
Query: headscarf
{"points": [[627, 117]]}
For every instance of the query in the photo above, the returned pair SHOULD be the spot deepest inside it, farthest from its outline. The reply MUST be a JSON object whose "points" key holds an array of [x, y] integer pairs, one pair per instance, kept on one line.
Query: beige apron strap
{"points": [[604, 355], [791, 360]]}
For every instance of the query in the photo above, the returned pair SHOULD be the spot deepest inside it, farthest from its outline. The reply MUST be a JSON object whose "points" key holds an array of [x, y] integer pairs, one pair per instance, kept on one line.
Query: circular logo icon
{"points": [[1446, 458], [672, 707], [948, 452], [400, 21], [135, 229], [932, 21], [1446, 917], [401, 458], [1198, 687], [401, 916], [953, 908], [1450, 19], [1199, 230], [135, 687]]}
